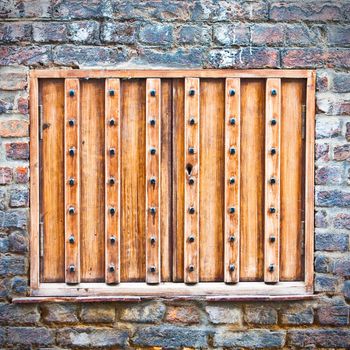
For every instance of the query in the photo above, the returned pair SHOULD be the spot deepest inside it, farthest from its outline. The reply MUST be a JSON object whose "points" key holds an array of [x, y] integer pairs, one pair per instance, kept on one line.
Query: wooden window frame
{"points": [[210, 291]]}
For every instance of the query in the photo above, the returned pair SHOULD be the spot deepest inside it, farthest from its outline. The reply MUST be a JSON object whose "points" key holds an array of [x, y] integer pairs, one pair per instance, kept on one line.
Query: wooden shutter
{"points": [[171, 182]]}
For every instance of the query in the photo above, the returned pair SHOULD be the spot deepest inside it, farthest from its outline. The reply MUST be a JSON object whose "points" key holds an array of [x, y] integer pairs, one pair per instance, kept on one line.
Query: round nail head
{"points": [[232, 180], [232, 238], [152, 122], [232, 267], [192, 92], [191, 268], [232, 150], [112, 122], [273, 92], [111, 92], [191, 210], [232, 121], [152, 180], [191, 239], [191, 180], [231, 210], [71, 93], [273, 122], [272, 239], [112, 210], [153, 240], [113, 239], [71, 182], [153, 93], [71, 122], [152, 150], [232, 92], [71, 210], [71, 239]]}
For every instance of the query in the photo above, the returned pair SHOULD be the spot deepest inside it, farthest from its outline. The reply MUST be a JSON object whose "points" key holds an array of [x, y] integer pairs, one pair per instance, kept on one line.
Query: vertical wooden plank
{"points": [[309, 181], [92, 153], [52, 182], [211, 182], [178, 160], [272, 179], [34, 184], [292, 183], [112, 180], [191, 169], [232, 179], [153, 178], [166, 181], [72, 180], [252, 179], [132, 242]]}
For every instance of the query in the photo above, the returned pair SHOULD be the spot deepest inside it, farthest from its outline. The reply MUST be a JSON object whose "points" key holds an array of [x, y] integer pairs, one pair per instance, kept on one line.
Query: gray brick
{"points": [[12, 265], [18, 314], [149, 313], [224, 314], [332, 241], [31, 336], [297, 315], [60, 313], [260, 315], [119, 33], [98, 313], [156, 34]]}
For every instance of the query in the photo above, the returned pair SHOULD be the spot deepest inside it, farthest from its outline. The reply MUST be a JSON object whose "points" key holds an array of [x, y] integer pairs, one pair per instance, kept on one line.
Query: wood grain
{"points": [[52, 181], [72, 172], [153, 108], [133, 239], [232, 180], [92, 181], [292, 158], [112, 180], [211, 180], [252, 179], [191, 170], [272, 179]]}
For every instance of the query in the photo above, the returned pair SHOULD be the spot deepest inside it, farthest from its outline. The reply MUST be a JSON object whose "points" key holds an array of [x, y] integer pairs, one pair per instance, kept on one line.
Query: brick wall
{"points": [[207, 33]]}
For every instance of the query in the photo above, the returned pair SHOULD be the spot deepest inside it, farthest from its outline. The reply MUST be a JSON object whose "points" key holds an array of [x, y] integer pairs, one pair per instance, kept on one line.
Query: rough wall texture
{"points": [[206, 33]]}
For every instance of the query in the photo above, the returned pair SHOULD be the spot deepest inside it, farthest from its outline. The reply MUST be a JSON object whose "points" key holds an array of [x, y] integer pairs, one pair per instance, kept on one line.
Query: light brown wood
{"points": [[292, 172], [34, 184], [112, 180], [178, 160], [72, 171], [252, 179], [272, 179], [191, 170], [232, 179], [92, 150], [166, 228], [170, 73], [133, 195], [52, 182], [309, 181], [153, 207], [211, 181]]}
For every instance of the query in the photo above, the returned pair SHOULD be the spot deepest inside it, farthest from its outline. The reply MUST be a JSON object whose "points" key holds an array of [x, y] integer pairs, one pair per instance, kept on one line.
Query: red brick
{"points": [[303, 58], [182, 314], [17, 150], [339, 58], [22, 105], [15, 32], [342, 152], [21, 175], [267, 34], [14, 128], [6, 175]]}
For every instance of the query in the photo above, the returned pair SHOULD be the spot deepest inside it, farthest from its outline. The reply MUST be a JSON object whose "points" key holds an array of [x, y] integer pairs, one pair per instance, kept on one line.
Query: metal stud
{"points": [[112, 239], [111, 92], [232, 121], [112, 210], [272, 239], [271, 267], [191, 238], [71, 239], [232, 267], [272, 210], [71, 93], [111, 180], [273, 121], [232, 180], [152, 150], [71, 181], [232, 238], [192, 92], [152, 240], [152, 122], [232, 92], [71, 210], [192, 121], [152, 180], [111, 122], [232, 150], [152, 269], [71, 268], [272, 180], [71, 151], [152, 210], [273, 151], [111, 268], [191, 268], [191, 210], [273, 92], [191, 180], [112, 151], [71, 122], [153, 92], [191, 150], [231, 210]]}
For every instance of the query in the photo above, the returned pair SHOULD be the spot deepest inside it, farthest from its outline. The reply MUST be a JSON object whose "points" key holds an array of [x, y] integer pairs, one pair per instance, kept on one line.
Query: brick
{"points": [[6, 175], [323, 263], [19, 198], [342, 220], [23, 105], [50, 32], [297, 315], [13, 78], [267, 34], [21, 175], [231, 34], [322, 81], [4, 244], [325, 283], [67, 9], [332, 198], [15, 32], [338, 35], [341, 82], [98, 313], [3, 340], [333, 315], [327, 338], [19, 285], [332, 105], [170, 337], [119, 33], [28, 55], [59, 313], [223, 314], [332, 242], [92, 337], [13, 265], [182, 314], [321, 219], [14, 128], [156, 34], [11, 314], [306, 11], [84, 32], [301, 35], [346, 289], [303, 58], [347, 132], [18, 242], [149, 313], [17, 150], [13, 219], [3, 199], [342, 152], [88, 55], [194, 35], [260, 315], [255, 339], [342, 266], [339, 57], [327, 128], [25, 8], [31, 336], [328, 175]]}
